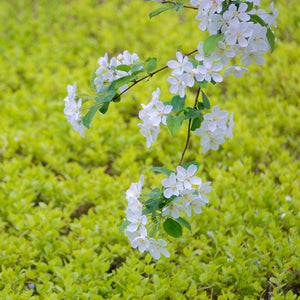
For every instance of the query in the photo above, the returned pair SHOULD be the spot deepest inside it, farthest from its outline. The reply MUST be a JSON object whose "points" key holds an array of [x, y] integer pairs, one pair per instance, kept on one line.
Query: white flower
{"points": [[141, 242], [251, 55], [72, 110], [129, 59], [134, 192], [179, 83], [232, 14], [204, 189], [238, 33], [258, 41], [160, 114], [216, 118], [210, 139], [172, 186], [236, 71], [172, 209], [157, 247], [210, 71], [195, 203], [137, 221], [187, 176], [149, 131], [223, 54], [182, 64], [134, 208]]}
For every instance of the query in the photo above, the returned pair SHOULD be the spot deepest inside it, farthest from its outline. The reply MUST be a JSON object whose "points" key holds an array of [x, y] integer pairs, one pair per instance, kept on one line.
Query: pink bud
{"points": [[120, 56]]}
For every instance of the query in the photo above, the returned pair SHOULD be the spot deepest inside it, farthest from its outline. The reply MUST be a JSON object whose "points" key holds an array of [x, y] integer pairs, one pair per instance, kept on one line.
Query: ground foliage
{"points": [[62, 197]]}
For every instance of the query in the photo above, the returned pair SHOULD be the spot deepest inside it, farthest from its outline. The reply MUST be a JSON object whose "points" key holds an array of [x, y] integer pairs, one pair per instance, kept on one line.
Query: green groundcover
{"points": [[62, 197]]}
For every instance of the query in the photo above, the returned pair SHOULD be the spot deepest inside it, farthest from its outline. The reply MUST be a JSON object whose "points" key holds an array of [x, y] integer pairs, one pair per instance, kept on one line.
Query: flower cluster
{"points": [[214, 127], [186, 198], [72, 110], [178, 194], [107, 72], [152, 115], [245, 30], [136, 231]]}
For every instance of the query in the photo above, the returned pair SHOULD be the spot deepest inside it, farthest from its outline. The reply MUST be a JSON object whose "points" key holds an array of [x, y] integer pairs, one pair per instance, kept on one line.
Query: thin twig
{"points": [[185, 6], [189, 128]]}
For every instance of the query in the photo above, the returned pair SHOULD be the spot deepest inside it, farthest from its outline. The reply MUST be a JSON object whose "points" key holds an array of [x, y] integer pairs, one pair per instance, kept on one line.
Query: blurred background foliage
{"points": [[62, 197]]}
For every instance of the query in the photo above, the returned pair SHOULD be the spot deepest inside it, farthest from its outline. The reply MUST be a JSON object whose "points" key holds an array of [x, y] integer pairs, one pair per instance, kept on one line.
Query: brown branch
{"points": [[189, 128]]}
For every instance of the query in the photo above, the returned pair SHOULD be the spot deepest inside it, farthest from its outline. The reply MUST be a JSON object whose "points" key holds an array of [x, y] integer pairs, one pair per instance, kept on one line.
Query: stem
{"points": [[147, 76], [189, 128], [185, 6]]}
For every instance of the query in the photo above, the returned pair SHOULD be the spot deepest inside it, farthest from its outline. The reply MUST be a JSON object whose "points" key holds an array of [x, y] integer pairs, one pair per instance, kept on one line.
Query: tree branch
{"points": [[189, 128]]}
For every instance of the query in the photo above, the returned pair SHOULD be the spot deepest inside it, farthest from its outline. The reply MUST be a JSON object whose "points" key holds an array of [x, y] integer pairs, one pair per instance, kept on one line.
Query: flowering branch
{"points": [[240, 32]]}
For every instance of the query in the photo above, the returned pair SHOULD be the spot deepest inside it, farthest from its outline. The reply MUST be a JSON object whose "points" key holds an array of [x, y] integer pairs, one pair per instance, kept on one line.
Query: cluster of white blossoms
{"points": [[152, 115], [242, 36], [187, 199], [214, 127], [180, 184], [108, 72], [136, 231], [72, 110]]}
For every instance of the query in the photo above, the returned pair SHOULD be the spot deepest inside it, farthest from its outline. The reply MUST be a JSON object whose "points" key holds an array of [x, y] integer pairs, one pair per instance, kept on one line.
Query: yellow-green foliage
{"points": [[62, 197]]}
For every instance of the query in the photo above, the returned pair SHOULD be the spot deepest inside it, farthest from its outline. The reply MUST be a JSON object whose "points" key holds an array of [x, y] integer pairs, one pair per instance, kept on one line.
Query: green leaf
{"points": [[104, 107], [159, 11], [137, 67], [154, 194], [200, 106], [211, 43], [124, 68], [191, 113], [185, 166], [250, 6], [257, 19], [151, 66], [162, 170], [89, 116], [174, 123], [185, 223], [172, 228], [106, 97], [193, 62], [124, 225], [122, 81], [203, 84], [196, 123], [205, 101], [271, 39], [178, 6], [178, 103]]}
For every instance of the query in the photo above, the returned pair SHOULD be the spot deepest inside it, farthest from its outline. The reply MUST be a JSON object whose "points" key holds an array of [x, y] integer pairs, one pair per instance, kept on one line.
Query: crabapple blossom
{"points": [[172, 186], [156, 248], [210, 71], [187, 176], [182, 64], [172, 209], [236, 71], [72, 110]]}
